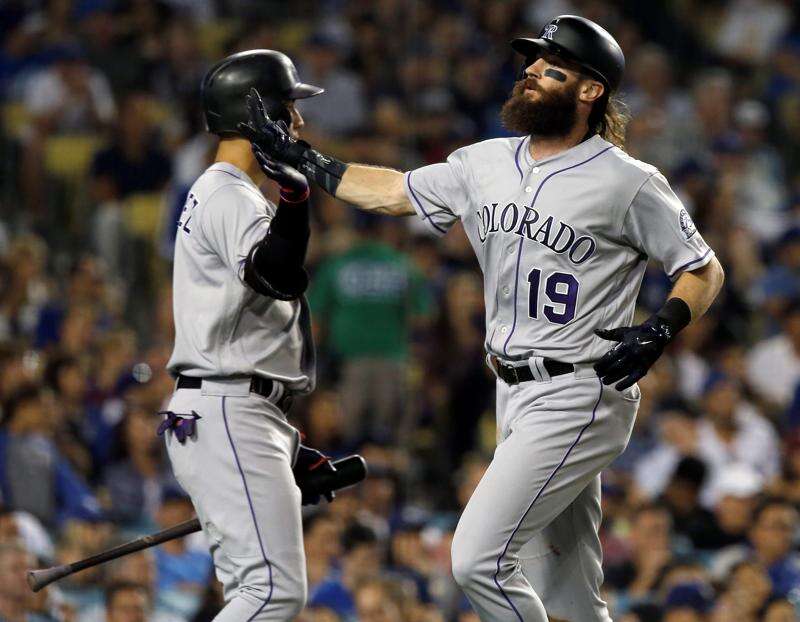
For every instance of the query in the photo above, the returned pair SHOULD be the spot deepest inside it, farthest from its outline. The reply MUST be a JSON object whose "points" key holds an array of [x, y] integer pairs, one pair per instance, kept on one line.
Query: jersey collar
{"points": [[578, 152], [229, 168]]}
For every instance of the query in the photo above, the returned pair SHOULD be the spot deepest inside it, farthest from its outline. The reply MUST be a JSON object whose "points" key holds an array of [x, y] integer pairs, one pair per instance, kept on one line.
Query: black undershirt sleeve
{"points": [[274, 266]]}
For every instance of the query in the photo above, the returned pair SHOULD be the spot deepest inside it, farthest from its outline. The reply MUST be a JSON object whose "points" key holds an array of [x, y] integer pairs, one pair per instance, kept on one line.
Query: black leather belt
{"points": [[258, 384], [512, 374]]}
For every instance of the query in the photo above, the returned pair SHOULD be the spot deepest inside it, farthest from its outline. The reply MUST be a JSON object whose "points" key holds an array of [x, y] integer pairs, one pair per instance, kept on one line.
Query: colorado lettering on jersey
{"points": [[558, 236]]}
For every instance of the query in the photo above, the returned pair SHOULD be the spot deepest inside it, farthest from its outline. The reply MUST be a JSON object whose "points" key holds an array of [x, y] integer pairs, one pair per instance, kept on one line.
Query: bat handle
{"points": [[37, 579]]}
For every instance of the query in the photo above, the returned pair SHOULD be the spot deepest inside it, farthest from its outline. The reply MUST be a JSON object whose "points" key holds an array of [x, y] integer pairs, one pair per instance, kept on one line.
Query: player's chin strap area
{"points": [[513, 374]]}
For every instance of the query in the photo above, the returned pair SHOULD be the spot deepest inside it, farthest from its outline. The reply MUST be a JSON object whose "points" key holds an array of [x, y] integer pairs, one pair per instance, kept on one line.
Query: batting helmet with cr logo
{"points": [[582, 41]]}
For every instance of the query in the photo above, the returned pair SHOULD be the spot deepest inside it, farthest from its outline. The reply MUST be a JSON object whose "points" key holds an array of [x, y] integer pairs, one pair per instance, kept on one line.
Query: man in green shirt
{"points": [[365, 301]]}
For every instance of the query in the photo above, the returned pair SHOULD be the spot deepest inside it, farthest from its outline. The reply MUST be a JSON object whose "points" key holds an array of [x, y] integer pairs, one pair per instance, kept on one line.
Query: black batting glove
{"points": [[271, 137], [309, 461], [294, 185], [637, 349], [275, 143]]}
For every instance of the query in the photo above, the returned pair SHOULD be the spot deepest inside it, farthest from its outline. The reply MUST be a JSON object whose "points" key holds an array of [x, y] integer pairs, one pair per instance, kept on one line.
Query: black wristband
{"points": [[676, 314], [325, 170]]}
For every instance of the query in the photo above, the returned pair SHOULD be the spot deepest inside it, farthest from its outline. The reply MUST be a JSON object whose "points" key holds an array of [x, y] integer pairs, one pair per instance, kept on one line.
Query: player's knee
{"points": [[296, 592], [289, 598], [295, 604], [466, 564]]}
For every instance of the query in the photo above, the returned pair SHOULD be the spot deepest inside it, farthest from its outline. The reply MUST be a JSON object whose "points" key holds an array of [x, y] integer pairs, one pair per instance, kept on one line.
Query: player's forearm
{"points": [[374, 189], [274, 266], [700, 287]]}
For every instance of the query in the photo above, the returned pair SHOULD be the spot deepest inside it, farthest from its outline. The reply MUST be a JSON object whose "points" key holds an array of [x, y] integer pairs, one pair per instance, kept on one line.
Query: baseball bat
{"points": [[349, 471]]}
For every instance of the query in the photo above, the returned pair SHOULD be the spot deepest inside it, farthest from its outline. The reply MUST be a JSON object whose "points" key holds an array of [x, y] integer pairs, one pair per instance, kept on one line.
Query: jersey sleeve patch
{"points": [[687, 225]]}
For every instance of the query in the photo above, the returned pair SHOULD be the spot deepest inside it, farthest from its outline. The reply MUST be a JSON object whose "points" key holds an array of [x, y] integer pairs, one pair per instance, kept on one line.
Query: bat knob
{"points": [[37, 579]]}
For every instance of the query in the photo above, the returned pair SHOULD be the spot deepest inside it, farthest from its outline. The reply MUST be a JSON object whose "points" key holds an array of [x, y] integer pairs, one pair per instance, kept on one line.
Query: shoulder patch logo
{"points": [[549, 31], [687, 226]]}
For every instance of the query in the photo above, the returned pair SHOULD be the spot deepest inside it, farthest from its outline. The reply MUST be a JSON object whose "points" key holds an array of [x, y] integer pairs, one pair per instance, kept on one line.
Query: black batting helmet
{"points": [[582, 41], [226, 85]]}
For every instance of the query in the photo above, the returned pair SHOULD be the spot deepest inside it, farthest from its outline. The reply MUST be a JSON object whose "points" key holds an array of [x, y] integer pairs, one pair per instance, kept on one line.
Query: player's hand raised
{"points": [[294, 185], [637, 349], [271, 137]]}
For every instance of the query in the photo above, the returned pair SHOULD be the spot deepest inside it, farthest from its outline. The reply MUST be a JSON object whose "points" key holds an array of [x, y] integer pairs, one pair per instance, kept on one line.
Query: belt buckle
{"points": [[514, 373]]}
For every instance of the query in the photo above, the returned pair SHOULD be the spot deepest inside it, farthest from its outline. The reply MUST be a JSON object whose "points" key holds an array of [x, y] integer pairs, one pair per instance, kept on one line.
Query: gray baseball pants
{"points": [[238, 471], [527, 543]]}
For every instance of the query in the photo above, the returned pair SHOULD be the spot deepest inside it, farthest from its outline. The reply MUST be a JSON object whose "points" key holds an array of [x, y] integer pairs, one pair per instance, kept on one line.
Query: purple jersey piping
{"points": [[426, 215], [516, 159], [687, 264], [519, 250]]}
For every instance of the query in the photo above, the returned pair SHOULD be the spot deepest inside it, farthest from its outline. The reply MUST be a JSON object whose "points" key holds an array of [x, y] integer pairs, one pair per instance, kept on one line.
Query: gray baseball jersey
{"points": [[237, 465], [222, 327], [563, 244], [562, 241]]}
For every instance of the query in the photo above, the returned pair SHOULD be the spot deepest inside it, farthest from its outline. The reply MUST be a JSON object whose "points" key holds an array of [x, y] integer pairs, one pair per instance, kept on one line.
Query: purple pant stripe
{"points": [[539, 494], [252, 512]]}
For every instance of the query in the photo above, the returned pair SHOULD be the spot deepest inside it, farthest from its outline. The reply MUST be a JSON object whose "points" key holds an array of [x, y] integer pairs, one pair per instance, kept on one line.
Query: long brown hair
{"points": [[609, 117]]}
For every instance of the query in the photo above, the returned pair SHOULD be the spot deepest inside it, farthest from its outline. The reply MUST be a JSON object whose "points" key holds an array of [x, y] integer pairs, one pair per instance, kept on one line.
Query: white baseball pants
{"points": [[527, 543], [238, 471]]}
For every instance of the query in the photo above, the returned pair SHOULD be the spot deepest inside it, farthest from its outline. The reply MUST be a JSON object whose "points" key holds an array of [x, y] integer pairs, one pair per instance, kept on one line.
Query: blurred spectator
{"points": [[377, 601], [779, 610], [734, 432], [361, 561], [774, 363], [747, 590], [775, 524], [136, 483], [128, 602], [135, 162], [28, 454], [365, 303], [688, 603], [649, 555], [67, 97], [682, 497], [70, 95], [750, 41], [16, 599], [731, 432], [738, 491], [343, 109], [182, 572]]}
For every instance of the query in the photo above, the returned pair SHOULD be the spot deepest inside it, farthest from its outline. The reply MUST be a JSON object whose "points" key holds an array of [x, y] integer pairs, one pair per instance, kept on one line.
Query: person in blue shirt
{"points": [[362, 560], [182, 572], [775, 525], [29, 455]]}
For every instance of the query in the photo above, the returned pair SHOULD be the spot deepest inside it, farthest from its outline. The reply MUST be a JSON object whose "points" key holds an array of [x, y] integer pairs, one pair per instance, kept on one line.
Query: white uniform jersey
{"points": [[562, 241], [222, 327]]}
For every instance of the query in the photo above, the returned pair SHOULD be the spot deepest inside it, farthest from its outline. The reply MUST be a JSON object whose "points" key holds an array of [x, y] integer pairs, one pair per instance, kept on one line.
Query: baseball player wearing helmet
{"points": [[243, 348], [563, 222]]}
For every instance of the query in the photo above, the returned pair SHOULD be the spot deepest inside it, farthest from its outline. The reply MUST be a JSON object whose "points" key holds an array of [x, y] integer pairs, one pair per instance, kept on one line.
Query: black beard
{"points": [[552, 114]]}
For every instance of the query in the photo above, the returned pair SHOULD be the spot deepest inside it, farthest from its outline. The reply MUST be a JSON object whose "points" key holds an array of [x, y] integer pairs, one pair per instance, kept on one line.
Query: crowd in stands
{"points": [[101, 136]]}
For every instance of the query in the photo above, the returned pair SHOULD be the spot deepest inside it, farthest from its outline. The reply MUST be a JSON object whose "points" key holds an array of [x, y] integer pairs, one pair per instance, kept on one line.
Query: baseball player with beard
{"points": [[563, 222]]}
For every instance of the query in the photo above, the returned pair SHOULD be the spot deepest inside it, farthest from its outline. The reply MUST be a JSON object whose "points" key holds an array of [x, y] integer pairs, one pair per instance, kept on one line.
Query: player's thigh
{"points": [[562, 436], [263, 491], [520, 493], [238, 473]]}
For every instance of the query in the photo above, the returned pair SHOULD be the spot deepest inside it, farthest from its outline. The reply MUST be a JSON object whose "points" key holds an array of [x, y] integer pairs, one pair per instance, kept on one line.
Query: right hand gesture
{"points": [[270, 137]]}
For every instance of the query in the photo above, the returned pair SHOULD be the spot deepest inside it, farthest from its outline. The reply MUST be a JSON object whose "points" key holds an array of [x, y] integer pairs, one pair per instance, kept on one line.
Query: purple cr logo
{"points": [[549, 31]]}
